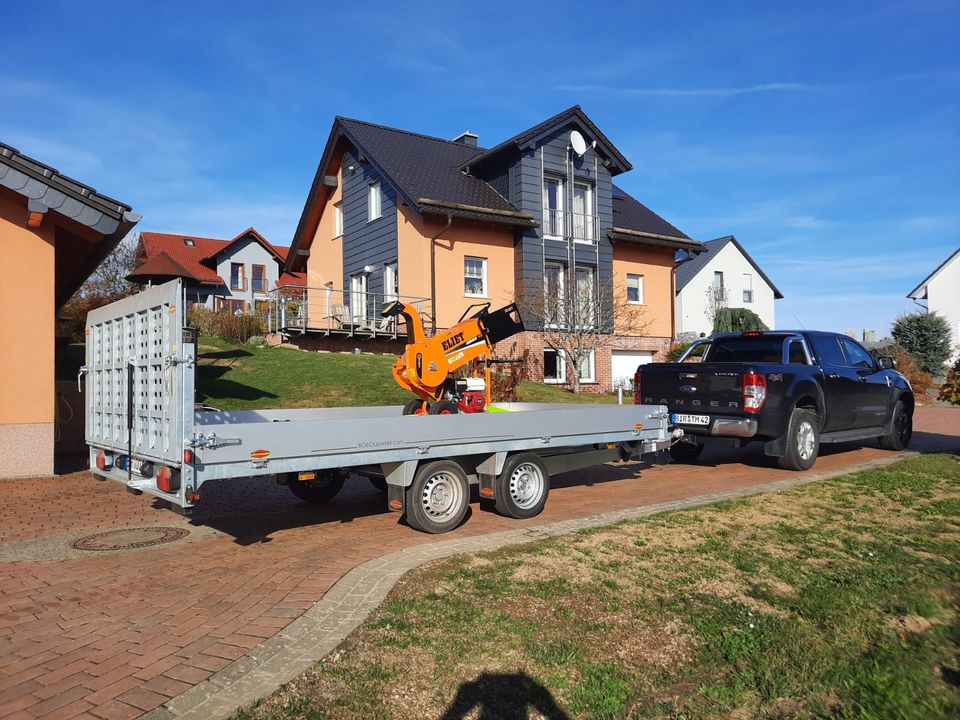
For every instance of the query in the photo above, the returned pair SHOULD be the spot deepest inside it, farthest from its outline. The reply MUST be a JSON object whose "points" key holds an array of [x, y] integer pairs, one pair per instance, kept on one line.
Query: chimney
{"points": [[466, 138]]}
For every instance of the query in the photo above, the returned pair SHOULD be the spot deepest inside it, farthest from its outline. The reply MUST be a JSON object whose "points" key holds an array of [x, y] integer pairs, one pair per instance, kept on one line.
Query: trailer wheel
{"points": [[321, 490], [438, 498], [415, 407], [521, 489], [444, 407], [686, 451], [803, 441]]}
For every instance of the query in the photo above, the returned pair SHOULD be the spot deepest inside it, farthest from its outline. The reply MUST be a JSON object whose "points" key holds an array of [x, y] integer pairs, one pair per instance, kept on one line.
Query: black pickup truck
{"points": [[792, 390]]}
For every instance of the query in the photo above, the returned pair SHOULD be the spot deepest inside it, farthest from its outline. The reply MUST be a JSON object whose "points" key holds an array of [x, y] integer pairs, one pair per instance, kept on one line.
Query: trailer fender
{"points": [[399, 476], [487, 471]]}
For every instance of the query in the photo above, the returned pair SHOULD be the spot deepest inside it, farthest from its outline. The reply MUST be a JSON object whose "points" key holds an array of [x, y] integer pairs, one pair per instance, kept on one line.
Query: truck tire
{"points": [[901, 431], [686, 451], [521, 490], [318, 491], [415, 407], [438, 497], [802, 441]]}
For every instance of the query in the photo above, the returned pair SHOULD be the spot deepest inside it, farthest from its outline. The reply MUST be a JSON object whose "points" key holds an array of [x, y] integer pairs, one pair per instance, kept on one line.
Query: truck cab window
{"points": [[796, 354], [856, 356], [828, 350]]}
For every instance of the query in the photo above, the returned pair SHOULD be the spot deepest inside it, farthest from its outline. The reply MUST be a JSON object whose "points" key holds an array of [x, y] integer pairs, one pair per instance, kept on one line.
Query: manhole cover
{"points": [[130, 539]]}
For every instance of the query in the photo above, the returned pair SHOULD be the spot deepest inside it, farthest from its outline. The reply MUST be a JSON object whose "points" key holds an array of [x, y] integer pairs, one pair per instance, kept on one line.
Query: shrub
{"points": [[926, 336], [676, 350], [257, 341], [737, 320], [908, 366], [950, 391], [505, 382], [239, 327], [202, 318]]}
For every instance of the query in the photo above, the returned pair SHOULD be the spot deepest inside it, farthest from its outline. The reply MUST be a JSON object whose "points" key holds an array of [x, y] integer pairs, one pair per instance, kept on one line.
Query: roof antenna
{"points": [[799, 323]]}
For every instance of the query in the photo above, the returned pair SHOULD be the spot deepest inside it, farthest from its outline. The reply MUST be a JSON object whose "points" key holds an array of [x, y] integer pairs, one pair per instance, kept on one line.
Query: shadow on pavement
{"points": [[504, 697]]}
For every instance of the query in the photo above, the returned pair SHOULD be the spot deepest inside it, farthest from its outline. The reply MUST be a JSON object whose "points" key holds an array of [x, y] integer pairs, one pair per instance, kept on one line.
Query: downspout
{"points": [[433, 273], [673, 302]]}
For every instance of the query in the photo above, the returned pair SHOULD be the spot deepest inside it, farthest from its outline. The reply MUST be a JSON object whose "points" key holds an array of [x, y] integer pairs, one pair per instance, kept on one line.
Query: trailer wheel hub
{"points": [[441, 495]]}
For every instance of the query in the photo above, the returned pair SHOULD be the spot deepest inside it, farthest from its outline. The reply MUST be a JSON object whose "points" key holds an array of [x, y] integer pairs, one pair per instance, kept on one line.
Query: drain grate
{"points": [[129, 539]]}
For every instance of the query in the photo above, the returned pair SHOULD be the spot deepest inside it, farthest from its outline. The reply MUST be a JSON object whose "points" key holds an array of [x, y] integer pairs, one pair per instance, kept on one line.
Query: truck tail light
{"points": [[168, 481], [754, 391], [637, 399]]}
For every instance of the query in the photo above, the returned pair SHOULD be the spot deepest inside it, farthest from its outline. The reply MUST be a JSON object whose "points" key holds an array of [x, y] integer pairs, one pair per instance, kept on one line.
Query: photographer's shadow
{"points": [[504, 697]]}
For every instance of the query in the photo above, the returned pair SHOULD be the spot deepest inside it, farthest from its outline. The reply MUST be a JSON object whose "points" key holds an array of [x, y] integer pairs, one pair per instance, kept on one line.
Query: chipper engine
{"points": [[427, 365]]}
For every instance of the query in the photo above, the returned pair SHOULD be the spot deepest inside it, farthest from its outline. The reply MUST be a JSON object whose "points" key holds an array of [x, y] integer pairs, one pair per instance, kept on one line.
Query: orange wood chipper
{"points": [[427, 365]]}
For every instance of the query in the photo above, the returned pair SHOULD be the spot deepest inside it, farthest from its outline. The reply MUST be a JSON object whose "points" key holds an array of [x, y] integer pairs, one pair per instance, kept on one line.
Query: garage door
{"points": [[624, 365]]}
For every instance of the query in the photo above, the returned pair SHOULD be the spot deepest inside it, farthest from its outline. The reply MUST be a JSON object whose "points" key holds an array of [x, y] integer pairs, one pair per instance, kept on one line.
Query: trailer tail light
{"points": [[637, 399], [188, 456], [168, 480], [754, 391], [104, 460]]}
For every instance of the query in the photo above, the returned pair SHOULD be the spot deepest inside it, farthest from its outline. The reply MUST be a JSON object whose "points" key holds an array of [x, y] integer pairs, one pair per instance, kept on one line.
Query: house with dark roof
{"points": [[448, 223], [724, 274], [54, 232], [939, 292], [233, 275]]}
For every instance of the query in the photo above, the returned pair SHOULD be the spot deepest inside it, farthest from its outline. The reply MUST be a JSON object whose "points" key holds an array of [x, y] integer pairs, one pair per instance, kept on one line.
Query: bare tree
{"points": [[718, 298], [577, 314]]}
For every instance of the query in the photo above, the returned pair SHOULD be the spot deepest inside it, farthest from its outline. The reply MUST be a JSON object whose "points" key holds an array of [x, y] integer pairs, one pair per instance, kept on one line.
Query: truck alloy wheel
{"points": [[803, 441]]}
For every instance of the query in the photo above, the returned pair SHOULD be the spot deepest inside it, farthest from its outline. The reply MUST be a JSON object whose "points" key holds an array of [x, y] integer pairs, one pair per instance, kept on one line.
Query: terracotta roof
{"points": [[292, 279], [196, 255], [161, 265]]}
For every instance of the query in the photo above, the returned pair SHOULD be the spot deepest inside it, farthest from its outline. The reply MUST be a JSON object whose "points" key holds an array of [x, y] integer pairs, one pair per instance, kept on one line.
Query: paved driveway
{"points": [[90, 629]]}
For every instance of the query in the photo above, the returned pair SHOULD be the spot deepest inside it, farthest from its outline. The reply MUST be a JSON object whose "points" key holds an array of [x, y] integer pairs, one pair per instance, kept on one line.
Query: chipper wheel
{"points": [[415, 407]]}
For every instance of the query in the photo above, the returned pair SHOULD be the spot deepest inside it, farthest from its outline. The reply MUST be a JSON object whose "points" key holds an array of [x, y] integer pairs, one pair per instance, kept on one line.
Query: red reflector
{"points": [[754, 391], [259, 454], [486, 492], [168, 481], [637, 399], [194, 497], [188, 456], [101, 461]]}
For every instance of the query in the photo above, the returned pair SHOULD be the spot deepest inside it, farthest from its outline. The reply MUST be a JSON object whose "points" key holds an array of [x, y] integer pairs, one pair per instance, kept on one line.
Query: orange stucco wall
{"points": [[325, 264], [655, 264], [26, 316], [491, 242]]}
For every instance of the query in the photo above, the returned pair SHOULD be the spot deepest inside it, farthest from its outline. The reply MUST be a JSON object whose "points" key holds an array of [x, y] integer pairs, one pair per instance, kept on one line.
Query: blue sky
{"points": [[824, 135]]}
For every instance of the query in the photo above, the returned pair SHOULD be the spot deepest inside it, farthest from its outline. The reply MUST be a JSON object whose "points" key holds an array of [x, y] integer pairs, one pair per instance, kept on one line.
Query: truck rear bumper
{"points": [[733, 427]]}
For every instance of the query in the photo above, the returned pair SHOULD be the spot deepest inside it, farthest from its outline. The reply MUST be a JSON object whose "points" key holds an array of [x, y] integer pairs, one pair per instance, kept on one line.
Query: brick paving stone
{"points": [[116, 710]]}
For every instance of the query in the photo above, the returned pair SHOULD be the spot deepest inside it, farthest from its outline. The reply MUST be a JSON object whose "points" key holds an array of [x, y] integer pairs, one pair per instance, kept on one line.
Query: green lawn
{"points": [[838, 599], [232, 377]]}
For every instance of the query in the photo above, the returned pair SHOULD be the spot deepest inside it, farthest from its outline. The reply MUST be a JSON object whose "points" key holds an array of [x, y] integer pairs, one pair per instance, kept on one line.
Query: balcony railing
{"points": [[338, 312], [561, 225]]}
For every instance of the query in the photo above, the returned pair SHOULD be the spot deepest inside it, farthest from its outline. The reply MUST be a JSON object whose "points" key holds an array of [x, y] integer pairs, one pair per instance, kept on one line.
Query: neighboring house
{"points": [[941, 291], [54, 232], [447, 223], [726, 271], [219, 274]]}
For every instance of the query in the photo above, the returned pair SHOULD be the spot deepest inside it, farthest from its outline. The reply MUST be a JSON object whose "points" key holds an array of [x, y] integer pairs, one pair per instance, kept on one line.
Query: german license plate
{"points": [[682, 419]]}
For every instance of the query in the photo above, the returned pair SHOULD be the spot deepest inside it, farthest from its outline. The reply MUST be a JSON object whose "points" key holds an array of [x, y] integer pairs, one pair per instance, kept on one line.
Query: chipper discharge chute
{"points": [[426, 366]]}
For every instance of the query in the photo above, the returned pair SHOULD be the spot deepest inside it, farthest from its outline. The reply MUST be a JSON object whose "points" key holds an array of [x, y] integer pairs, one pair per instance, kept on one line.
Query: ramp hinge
{"points": [[212, 442]]}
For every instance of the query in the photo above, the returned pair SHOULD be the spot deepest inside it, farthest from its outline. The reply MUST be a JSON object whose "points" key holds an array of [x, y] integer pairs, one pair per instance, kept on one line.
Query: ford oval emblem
{"points": [[688, 389]]}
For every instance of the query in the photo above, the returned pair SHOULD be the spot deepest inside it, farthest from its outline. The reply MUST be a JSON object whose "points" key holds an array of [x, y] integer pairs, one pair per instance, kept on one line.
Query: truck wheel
{"points": [[415, 407], [324, 488], [902, 430], [438, 498], [521, 490], [803, 441], [444, 407], [686, 451]]}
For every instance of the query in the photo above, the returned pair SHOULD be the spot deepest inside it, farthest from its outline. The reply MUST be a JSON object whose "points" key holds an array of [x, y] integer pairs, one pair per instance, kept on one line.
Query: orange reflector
{"points": [[194, 497], [486, 492], [188, 456], [307, 475], [639, 426], [101, 460], [611, 446], [395, 505], [259, 454]]}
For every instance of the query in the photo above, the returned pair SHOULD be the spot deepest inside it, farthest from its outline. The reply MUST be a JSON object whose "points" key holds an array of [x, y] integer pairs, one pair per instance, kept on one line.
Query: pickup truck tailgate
{"points": [[694, 388]]}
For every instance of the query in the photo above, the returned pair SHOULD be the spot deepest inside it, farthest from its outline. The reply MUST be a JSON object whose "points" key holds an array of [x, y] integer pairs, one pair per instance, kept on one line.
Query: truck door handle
{"points": [[833, 376], [862, 378]]}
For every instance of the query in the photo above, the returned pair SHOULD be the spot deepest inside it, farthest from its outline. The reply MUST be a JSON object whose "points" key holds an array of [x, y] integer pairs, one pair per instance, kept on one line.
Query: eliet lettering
{"points": [[453, 342]]}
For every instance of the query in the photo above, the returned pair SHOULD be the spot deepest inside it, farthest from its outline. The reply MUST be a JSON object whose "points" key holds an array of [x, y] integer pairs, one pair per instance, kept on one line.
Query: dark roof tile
{"points": [[631, 214]]}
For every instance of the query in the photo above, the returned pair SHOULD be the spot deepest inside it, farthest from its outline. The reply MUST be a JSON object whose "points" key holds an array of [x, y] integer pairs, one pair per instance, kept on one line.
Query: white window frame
{"points": [[338, 219], [592, 298], [391, 284], [591, 361], [358, 298], [639, 278], [561, 367], [483, 276], [589, 236], [558, 210], [561, 285], [374, 201], [748, 287], [718, 276]]}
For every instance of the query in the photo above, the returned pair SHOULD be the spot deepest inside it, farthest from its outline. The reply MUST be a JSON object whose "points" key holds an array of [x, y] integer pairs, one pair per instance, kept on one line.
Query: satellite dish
{"points": [[577, 142]]}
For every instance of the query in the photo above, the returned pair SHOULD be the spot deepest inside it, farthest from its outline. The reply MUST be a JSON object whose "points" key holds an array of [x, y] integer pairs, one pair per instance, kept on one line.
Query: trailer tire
{"points": [[444, 407], [521, 490], [438, 497], [415, 407], [802, 441], [318, 491], [686, 451]]}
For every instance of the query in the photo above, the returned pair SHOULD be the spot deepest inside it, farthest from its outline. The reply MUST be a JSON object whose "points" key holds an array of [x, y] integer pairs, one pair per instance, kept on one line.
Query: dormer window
{"points": [[189, 242]]}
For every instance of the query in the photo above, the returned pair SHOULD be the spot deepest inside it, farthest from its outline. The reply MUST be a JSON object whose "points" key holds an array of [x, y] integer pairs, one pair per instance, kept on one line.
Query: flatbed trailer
{"points": [[144, 428]]}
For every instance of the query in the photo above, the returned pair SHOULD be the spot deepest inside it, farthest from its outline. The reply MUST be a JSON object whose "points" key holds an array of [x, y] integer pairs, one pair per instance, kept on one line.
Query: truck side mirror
{"points": [[886, 362]]}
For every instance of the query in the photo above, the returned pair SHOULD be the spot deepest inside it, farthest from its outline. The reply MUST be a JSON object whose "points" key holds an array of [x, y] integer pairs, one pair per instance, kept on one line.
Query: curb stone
{"points": [[321, 628]]}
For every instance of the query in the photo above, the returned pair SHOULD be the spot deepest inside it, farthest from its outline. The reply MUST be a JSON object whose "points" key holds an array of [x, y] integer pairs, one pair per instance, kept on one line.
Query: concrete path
{"points": [[111, 607]]}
